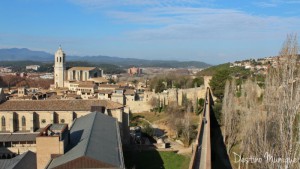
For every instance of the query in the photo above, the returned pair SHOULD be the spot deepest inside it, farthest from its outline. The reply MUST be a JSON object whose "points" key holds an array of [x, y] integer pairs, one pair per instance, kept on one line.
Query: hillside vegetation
{"points": [[213, 69], [221, 73]]}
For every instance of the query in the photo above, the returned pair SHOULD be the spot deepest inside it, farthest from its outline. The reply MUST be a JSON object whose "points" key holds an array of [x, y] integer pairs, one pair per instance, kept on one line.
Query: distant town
{"points": [[141, 107], [259, 66]]}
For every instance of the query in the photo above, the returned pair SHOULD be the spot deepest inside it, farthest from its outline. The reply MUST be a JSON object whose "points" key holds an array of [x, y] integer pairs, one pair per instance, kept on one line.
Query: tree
{"points": [[135, 82], [111, 81], [252, 117], [197, 82], [217, 83], [186, 103], [186, 129], [173, 80], [11, 80], [270, 125], [154, 102], [2, 83], [147, 129], [282, 103], [231, 117], [22, 84], [200, 105]]}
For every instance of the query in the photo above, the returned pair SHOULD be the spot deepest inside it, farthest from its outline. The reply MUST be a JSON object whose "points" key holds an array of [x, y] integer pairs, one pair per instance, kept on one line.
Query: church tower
{"points": [[59, 68]]}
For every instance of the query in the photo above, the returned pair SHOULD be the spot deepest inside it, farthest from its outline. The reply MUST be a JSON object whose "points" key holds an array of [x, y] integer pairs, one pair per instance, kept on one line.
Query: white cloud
{"points": [[189, 19], [275, 3], [110, 3], [266, 4], [289, 1], [193, 23]]}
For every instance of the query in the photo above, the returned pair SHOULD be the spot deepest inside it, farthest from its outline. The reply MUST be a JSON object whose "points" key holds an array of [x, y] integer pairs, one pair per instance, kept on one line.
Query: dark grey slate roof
{"points": [[18, 137], [25, 160], [96, 136], [57, 126]]}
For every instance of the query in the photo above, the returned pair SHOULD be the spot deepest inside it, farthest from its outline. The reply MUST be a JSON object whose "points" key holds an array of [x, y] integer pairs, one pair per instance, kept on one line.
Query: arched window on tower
{"points": [[3, 124], [57, 59], [23, 121], [60, 59]]}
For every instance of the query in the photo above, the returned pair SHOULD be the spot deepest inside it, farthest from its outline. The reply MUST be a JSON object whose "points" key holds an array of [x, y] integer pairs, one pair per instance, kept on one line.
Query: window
{"points": [[60, 59], [35, 118], [74, 115], [16, 120], [23, 121], [3, 121], [74, 74], [43, 120], [55, 117], [62, 121], [57, 59]]}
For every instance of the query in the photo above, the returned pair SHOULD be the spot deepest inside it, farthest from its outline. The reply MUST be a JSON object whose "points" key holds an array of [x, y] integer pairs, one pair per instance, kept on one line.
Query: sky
{"points": [[213, 31]]}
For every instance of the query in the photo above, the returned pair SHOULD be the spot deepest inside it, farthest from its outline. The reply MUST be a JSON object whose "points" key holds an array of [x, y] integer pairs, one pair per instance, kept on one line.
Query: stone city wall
{"points": [[166, 97]]}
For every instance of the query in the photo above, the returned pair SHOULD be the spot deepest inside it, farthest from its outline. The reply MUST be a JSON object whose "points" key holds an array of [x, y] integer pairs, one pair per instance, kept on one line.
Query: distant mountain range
{"points": [[16, 54]]}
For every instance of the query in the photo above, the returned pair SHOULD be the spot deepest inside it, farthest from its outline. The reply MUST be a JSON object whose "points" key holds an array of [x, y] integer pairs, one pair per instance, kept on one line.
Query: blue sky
{"points": [[213, 31]]}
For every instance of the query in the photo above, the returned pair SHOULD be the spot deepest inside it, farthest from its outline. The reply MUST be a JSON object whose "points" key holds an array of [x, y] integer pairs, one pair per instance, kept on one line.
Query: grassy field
{"points": [[152, 116], [155, 160], [156, 117]]}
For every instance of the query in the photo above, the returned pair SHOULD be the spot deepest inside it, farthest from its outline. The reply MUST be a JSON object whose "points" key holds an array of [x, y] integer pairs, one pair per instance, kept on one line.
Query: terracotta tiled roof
{"points": [[129, 92], [83, 68], [54, 97], [86, 85], [108, 86], [99, 80], [73, 96], [123, 83], [105, 91], [56, 105], [21, 97]]}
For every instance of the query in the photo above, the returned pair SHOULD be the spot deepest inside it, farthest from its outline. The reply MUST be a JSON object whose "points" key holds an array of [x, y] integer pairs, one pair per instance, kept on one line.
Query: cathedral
{"points": [[63, 77]]}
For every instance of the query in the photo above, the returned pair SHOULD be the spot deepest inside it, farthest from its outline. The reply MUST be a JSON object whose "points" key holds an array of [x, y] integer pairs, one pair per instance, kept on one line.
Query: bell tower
{"points": [[59, 68]]}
